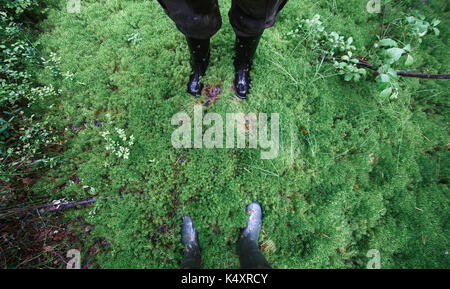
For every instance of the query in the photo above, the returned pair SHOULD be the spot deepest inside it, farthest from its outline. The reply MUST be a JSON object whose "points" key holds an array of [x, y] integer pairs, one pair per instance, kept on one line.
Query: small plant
{"points": [[330, 44], [23, 136], [417, 27], [118, 143], [52, 64], [386, 54], [28, 148], [18, 6], [389, 52], [134, 38]]}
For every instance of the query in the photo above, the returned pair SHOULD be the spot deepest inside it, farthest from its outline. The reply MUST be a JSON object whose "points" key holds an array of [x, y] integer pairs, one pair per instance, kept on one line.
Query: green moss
{"points": [[325, 203]]}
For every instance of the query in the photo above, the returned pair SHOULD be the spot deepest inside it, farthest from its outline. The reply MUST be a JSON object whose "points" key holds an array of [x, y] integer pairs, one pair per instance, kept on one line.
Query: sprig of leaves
{"points": [[384, 58]]}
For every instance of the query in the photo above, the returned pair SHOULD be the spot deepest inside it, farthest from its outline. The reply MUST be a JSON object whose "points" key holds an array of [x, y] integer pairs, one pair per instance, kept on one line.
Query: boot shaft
{"points": [[200, 52], [245, 48]]}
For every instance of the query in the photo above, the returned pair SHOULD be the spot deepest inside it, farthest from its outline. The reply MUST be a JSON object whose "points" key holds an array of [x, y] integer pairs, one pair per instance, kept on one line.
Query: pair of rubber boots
{"points": [[249, 254], [245, 48]]}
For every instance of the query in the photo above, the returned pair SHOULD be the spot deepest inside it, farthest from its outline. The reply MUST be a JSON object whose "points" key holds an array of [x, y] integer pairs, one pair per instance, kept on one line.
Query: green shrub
{"points": [[24, 135]]}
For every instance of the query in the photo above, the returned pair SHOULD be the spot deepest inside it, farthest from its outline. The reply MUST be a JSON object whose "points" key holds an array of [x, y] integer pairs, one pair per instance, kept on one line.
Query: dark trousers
{"points": [[201, 19], [250, 256]]}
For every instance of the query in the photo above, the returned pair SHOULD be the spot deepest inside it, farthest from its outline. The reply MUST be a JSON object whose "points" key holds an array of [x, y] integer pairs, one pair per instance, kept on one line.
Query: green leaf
{"points": [[394, 54], [392, 72], [387, 42], [435, 22], [409, 60], [410, 19], [386, 93], [383, 85], [436, 31], [382, 78], [407, 48]]}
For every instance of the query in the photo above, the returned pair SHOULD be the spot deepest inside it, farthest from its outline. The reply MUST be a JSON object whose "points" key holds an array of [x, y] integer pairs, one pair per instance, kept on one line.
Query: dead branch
{"points": [[403, 73], [54, 206]]}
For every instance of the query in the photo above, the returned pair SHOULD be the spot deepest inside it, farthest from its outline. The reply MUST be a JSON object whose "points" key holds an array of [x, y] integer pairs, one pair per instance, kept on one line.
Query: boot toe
{"points": [[242, 84], [241, 91], [188, 232], [195, 86], [254, 221]]}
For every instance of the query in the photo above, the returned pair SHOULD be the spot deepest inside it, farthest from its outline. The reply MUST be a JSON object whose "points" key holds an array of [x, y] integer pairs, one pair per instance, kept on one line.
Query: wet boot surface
{"points": [[245, 48], [200, 52]]}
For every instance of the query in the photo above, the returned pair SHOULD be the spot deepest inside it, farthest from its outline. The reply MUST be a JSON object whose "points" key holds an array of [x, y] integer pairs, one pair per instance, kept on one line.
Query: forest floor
{"points": [[354, 172]]}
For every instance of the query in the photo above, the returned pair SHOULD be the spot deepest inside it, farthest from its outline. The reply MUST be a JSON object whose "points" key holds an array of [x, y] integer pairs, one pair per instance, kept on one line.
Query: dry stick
{"points": [[419, 75], [55, 206], [382, 22], [52, 207], [399, 72]]}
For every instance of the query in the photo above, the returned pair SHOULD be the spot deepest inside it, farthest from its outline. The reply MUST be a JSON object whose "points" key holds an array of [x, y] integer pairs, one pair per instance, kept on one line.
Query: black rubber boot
{"points": [[189, 238], [245, 50], [249, 254], [199, 49]]}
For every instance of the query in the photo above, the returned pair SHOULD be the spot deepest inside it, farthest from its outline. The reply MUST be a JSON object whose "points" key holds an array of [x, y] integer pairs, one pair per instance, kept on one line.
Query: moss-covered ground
{"points": [[354, 172]]}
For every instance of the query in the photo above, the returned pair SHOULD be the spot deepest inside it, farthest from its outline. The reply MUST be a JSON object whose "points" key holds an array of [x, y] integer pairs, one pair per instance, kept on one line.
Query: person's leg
{"points": [[199, 49], [198, 20], [249, 254], [245, 48], [189, 238], [249, 18]]}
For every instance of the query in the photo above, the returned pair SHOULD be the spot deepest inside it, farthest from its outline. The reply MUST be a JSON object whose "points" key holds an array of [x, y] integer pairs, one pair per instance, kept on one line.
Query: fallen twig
{"points": [[399, 72], [54, 206], [382, 22]]}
